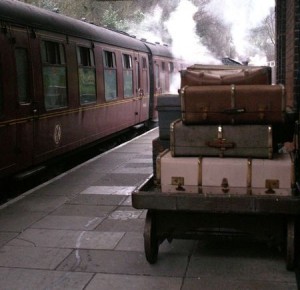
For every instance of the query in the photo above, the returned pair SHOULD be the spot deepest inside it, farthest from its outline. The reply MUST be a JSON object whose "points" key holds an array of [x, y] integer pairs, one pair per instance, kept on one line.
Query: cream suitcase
{"points": [[214, 175]]}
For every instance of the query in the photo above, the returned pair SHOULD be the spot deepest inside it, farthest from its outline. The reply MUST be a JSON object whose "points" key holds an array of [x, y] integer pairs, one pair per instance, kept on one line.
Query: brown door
{"points": [[142, 92], [23, 98], [7, 107]]}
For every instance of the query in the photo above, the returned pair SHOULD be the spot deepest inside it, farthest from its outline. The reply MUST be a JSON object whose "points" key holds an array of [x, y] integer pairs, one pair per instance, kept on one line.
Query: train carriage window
{"points": [[145, 74], [171, 67], [54, 75], [156, 78], [127, 75], [144, 62], [22, 66], [87, 75], [110, 75]]}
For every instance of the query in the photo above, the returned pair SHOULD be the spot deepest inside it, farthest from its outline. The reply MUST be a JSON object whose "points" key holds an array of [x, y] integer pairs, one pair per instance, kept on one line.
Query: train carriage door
{"points": [[142, 88], [7, 104], [157, 88], [24, 110]]}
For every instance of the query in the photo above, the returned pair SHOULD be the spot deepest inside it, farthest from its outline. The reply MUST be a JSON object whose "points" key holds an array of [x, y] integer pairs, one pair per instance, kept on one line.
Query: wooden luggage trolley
{"points": [[181, 215], [187, 197]]}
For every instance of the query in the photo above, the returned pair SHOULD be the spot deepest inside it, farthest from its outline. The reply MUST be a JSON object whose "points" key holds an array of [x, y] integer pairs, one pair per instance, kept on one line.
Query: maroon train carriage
{"points": [[65, 83], [165, 74]]}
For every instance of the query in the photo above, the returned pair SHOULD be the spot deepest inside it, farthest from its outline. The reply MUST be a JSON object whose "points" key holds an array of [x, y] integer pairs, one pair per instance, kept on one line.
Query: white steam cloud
{"points": [[181, 27], [185, 42], [150, 28], [243, 15]]}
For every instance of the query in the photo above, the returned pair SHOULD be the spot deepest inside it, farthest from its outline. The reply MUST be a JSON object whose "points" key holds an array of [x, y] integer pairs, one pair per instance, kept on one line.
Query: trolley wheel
{"points": [[290, 244], [151, 242]]}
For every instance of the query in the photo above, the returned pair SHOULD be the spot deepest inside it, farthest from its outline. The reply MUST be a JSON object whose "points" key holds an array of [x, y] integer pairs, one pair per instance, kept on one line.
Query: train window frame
{"points": [[156, 76], [144, 63], [109, 59], [86, 75], [54, 75], [145, 74], [53, 52], [127, 75], [171, 67], [22, 67], [110, 75]]}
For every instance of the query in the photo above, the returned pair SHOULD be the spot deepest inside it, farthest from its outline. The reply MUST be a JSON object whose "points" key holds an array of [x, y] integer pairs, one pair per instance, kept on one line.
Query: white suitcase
{"points": [[214, 175]]}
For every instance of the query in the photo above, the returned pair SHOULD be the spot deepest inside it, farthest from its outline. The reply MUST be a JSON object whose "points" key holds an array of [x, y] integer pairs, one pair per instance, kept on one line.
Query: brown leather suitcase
{"points": [[242, 76], [255, 141], [244, 104]]}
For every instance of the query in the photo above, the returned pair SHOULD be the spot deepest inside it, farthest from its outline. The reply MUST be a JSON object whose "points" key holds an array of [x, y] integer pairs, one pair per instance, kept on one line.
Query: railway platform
{"points": [[80, 231]]}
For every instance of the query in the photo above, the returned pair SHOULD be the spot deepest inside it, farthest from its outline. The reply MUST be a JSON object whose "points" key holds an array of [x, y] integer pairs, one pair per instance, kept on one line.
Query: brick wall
{"points": [[287, 48], [297, 54], [290, 51], [280, 40]]}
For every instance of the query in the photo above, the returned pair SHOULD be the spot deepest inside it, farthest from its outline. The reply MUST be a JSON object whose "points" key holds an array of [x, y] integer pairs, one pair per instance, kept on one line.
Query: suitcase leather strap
{"points": [[233, 110], [220, 143]]}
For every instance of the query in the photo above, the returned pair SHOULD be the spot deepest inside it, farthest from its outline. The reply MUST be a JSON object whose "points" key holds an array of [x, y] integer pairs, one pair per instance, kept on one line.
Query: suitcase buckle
{"points": [[179, 181], [221, 144], [271, 184], [261, 112], [225, 185]]}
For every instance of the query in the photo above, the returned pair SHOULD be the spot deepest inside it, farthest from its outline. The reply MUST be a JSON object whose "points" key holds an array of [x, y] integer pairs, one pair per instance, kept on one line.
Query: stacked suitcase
{"points": [[169, 110], [225, 141]]}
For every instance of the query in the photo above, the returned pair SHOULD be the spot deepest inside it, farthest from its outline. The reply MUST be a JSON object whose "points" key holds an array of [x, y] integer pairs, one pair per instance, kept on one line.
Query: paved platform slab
{"points": [[80, 231]]}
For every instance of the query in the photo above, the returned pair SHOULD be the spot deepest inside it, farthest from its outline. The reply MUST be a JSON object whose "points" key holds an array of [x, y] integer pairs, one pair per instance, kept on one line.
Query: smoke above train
{"points": [[240, 15]]}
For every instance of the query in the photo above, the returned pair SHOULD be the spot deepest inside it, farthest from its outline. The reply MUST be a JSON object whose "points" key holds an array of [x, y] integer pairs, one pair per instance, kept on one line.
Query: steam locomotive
{"points": [[65, 83]]}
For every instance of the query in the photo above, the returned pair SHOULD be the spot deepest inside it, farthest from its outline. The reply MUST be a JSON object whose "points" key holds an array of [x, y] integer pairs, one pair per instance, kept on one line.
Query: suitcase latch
{"points": [[220, 144], [261, 111], [179, 182], [203, 108], [271, 184], [225, 185]]}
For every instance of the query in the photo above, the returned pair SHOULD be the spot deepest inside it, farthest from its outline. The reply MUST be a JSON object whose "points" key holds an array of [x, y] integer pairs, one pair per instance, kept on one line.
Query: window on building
{"points": [[22, 66], [127, 75], [87, 75], [110, 75], [54, 75]]}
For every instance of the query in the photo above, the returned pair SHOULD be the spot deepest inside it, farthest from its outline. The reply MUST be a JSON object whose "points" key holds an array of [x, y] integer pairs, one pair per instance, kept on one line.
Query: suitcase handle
{"points": [[234, 111], [220, 144]]}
